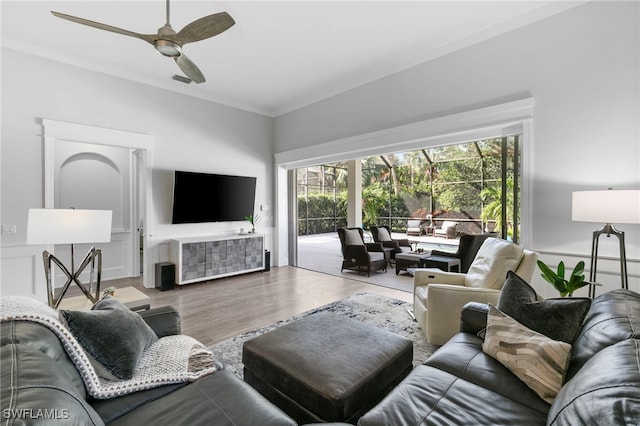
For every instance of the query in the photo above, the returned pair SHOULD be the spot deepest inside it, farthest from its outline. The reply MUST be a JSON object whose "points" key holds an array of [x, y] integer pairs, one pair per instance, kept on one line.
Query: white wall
{"points": [[582, 68], [191, 134]]}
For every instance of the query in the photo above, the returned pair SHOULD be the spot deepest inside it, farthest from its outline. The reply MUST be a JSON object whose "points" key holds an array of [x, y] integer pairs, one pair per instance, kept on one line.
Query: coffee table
{"points": [[407, 260], [131, 297]]}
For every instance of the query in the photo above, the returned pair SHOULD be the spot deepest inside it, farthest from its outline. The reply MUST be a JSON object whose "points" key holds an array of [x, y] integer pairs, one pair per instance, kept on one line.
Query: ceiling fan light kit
{"points": [[168, 48], [169, 43]]}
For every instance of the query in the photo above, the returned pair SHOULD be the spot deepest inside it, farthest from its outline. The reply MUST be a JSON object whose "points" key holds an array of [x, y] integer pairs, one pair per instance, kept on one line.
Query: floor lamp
{"points": [[70, 226], [608, 207]]}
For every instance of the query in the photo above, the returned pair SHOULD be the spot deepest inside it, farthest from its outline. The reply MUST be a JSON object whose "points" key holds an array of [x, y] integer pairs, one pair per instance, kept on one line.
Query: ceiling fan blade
{"points": [[204, 27], [146, 37], [190, 69]]}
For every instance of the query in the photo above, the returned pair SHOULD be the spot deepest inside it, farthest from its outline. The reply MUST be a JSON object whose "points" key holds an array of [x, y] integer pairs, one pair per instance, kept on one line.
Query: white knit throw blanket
{"points": [[171, 359]]}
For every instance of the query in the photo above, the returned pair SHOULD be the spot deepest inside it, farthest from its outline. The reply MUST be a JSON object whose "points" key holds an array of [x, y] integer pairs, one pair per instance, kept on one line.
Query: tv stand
{"points": [[206, 258]]}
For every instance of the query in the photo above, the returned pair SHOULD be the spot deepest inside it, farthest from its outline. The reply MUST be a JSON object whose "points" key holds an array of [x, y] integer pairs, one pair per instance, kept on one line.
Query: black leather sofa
{"points": [[461, 385], [40, 385]]}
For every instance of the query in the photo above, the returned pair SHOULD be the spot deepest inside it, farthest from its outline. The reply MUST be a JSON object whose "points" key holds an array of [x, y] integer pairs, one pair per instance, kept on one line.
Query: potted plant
{"points": [[557, 280], [109, 291], [252, 220]]}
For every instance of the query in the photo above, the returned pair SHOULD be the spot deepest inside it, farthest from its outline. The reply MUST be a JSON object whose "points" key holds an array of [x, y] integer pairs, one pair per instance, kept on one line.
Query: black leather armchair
{"points": [[358, 255], [382, 234]]}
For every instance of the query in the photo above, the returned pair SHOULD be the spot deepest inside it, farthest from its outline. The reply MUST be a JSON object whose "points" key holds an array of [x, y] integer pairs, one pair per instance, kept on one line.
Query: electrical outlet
{"points": [[9, 229]]}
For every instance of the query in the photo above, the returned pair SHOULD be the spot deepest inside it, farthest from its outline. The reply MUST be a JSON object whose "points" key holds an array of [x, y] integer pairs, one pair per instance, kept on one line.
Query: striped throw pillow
{"points": [[537, 360]]}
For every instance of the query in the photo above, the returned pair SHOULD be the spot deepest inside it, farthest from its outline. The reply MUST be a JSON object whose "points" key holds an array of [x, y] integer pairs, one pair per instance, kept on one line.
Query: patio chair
{"points": [[358, 255], [448, 229], [382, 234], [438, 296], [413, 227], [467, 249]]}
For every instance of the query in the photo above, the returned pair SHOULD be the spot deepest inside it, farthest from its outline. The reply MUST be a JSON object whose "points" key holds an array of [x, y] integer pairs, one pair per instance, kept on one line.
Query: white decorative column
{"points": [[354, 193]]}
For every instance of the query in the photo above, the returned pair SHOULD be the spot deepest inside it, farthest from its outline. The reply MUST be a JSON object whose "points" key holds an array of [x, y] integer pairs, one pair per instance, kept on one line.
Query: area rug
{"points": [[386, 313]]}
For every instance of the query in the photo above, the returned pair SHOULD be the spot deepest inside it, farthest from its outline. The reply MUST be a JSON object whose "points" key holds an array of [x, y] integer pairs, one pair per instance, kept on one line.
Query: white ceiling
{"points": [[279, 56]]}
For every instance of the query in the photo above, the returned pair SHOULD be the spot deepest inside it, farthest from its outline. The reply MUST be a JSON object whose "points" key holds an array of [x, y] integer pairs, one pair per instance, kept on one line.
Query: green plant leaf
{"points": [[548, 275], [560, 285], [561, 270], [579, 269]]}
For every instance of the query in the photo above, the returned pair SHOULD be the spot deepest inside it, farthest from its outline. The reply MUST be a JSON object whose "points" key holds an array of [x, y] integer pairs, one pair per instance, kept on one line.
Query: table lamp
{"points": [[608, 207], [70, 226]]}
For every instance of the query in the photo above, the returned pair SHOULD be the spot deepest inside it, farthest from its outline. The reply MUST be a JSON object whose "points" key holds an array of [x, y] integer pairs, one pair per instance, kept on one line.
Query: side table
{"points": [[426, 260], [446, 263], [131, 297]]}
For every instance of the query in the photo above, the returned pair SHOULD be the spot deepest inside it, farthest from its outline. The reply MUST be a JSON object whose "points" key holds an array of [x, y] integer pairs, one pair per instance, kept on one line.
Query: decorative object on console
{"points": [[556, 279], [70, 226], [252, 220], [608, 207]]}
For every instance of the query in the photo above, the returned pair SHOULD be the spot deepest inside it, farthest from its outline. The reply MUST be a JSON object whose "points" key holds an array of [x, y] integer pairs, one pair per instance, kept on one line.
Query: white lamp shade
{"points": [[610, 206], [68, 226]]}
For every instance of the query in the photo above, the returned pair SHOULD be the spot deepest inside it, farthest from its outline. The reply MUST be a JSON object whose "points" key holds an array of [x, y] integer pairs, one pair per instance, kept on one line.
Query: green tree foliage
{"points": [[458, 177], [458, 186], [317, 211], [375, 199], [493, 210]]}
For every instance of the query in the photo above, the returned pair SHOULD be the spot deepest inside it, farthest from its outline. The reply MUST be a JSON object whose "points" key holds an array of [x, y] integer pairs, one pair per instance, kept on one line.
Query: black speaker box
{"points": [[165, 276], [267, 260]]}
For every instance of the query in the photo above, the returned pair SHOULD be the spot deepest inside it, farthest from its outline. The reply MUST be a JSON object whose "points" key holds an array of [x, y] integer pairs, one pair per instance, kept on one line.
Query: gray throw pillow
{"points": [[112, 335], [559, 319]]}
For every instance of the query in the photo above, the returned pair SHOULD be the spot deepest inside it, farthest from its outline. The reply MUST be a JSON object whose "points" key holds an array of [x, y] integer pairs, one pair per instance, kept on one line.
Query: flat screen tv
{"points": [[204, 197]]}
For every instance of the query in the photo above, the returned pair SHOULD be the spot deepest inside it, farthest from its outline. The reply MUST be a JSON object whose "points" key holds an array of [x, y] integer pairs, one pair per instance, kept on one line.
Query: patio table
{"points": [[426, 260]]}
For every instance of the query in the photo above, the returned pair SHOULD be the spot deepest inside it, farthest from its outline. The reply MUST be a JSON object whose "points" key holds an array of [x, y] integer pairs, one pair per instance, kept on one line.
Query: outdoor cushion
{"points": [[495, 258], [448, 224], [376, 256], [383, 234], [352, 237]]}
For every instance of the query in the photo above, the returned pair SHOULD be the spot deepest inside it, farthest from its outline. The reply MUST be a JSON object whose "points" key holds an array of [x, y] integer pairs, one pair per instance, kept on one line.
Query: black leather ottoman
{"points": [[326, 367]]}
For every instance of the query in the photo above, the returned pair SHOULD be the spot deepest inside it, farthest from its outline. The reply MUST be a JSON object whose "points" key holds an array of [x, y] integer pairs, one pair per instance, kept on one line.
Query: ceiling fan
{"points": [[167, 41]]}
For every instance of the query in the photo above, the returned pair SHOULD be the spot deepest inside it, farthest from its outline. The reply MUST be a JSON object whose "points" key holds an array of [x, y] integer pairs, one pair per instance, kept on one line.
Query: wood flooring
{"points": [[216, 310]]}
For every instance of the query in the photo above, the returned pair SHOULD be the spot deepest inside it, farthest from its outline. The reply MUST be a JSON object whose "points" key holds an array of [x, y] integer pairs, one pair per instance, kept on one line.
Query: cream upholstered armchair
{"points": [[438, 296]]}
